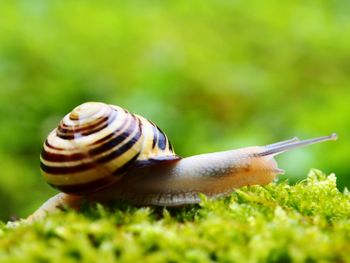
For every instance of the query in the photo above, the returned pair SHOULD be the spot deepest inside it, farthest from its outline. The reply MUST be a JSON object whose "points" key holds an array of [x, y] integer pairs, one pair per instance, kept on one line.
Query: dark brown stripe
{"points": [[86, 187], [53, 147], [69, 131], [99, 183], [54, 157], [106, 138], [63, 128], [97, 129], [75, 133], [126, 166], [155, 136], [170, 145], [122, 149], [63, 170], [162, 140], [57, 157], [115, 141]]}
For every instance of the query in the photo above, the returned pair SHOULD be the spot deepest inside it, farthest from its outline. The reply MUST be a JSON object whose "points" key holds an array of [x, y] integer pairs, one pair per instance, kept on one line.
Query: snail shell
{"points": [[96, 144]]}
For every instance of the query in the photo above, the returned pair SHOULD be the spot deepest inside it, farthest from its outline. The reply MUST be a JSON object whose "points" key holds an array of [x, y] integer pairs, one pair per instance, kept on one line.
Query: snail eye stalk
{"points": [[280, 147]]}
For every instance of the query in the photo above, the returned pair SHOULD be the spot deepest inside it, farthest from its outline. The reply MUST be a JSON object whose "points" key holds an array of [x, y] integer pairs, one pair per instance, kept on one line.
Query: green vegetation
{"points": [[214, 75], [307, 222]]}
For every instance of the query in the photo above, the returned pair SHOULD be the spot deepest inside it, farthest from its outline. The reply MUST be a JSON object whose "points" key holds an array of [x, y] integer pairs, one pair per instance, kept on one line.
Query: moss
{"points": [[307, 222]]}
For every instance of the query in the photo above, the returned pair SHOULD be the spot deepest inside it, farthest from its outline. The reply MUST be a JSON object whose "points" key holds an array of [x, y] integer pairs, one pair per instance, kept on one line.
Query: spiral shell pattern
{"points": [[96, 144]]}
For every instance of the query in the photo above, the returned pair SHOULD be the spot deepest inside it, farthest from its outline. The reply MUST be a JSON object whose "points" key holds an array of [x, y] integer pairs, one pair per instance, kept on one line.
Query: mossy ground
{"points": [[307, 222]]}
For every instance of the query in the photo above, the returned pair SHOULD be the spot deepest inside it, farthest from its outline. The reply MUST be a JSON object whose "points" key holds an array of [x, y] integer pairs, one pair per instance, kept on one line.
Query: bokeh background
{"points": [[214, 75]]}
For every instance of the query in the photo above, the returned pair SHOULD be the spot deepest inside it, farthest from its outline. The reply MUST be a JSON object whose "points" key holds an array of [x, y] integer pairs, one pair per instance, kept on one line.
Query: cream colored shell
{"points": [[96, 144]]}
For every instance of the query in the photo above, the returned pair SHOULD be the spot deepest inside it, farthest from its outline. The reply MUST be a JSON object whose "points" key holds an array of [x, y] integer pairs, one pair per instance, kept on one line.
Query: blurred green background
{"points": [[214, 75]]}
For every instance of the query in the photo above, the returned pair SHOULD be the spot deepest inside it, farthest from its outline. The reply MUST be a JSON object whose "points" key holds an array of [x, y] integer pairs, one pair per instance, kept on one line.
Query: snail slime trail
{"points": [[102, 152]]}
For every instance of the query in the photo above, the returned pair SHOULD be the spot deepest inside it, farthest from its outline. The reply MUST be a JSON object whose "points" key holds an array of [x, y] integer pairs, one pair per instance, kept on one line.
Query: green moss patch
{"points": [[307, 222]]}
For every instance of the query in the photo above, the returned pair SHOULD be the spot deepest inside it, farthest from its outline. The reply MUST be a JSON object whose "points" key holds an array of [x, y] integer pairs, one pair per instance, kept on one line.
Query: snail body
{"points": [[102, 153]]}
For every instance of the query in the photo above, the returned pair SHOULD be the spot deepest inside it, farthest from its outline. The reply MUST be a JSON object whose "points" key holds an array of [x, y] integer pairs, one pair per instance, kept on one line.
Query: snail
{"points": [[102, 152]]}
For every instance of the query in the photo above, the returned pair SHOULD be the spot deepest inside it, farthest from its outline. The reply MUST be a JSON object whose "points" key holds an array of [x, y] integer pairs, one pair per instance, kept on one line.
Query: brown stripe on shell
{"points": [[122, 149], [67, 129], [170, 145], [63, 170], [98, 183], [56, 157], [75, 132], [47, 144], [114, 140], [86, 187], [162, 139], [126, 166], [106, 138], [155, 136]]}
